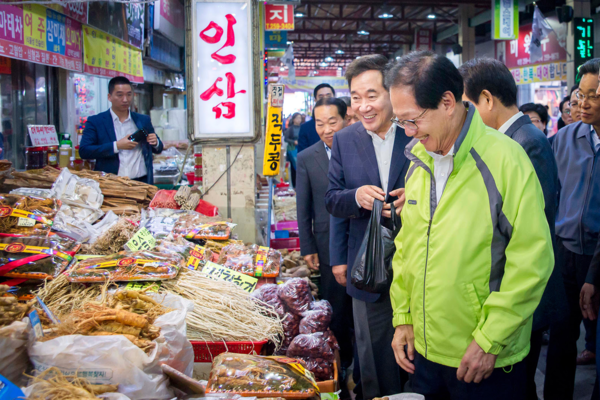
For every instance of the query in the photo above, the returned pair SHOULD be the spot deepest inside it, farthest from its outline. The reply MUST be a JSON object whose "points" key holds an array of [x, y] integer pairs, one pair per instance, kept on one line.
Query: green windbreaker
{"points": [[475, 265]]}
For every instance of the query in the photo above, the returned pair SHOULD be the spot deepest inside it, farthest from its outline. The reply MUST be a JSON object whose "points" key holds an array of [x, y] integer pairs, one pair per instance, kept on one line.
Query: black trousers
{"points": [[439, 382], [531, 362], [379, 373], [562, 349], [142, 179]]}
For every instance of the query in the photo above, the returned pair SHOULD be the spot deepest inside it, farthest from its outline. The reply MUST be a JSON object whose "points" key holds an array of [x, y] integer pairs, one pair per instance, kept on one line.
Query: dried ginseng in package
{"points": [[127, 266], [261, 377], [26, 215], [35, 257]]}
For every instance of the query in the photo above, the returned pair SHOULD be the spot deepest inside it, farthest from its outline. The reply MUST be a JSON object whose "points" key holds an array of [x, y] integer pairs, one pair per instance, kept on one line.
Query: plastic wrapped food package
{"points": [[75, 190], [253, 260], [260, 376], [35, 257], [296, 295], [321, 305], [291, 329], [268, 259], [164, 199], [69, 220], [161, 221], [268, 294], [315, 321], [127, 266], [320, 367], [314, 345], [26, 215], [35, 192], [211, 231]]}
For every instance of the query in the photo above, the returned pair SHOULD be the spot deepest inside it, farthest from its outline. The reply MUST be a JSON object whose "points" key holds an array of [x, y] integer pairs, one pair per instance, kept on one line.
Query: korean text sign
{"points": [[108, 56], [274, 136], [219, 272], [223, 70], [517, 51], [279, 17], [43, 135], [584, 40], [34, 33]]}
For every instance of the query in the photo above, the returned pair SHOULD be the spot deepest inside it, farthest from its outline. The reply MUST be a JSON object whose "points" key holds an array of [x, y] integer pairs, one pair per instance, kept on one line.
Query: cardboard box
{"points": [[331, 386]]}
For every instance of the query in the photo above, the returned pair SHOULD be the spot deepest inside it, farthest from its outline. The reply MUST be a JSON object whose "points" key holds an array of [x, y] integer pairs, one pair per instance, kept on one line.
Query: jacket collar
{"points": [[367, 151], [524, 120], [583, 130], [321, 157]]}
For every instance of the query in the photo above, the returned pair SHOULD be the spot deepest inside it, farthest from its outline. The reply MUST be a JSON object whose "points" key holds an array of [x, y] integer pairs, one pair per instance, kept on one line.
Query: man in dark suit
{"points": [[367, 163], [106, 137], [308, 132], [313, 221], [490, 86]]}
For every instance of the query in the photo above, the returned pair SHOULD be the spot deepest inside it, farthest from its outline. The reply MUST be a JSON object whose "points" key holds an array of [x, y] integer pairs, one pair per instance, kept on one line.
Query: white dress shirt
{"points": [[383, 153], [327, 150], [442, 168], [511, 121], [131, 162]]}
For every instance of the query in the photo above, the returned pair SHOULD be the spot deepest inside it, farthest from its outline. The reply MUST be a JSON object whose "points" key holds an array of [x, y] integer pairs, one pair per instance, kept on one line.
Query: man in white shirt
{"points": [[367, 163], [490, 86], [106, 137]]}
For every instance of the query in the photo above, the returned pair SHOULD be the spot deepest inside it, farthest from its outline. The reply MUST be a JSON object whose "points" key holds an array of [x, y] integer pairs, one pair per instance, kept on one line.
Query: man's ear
{"points": [[487, 99]]}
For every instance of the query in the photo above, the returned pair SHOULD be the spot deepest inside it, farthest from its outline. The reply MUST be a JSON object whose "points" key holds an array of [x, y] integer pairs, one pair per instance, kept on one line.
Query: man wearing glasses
{"points": [[367, 163], [474, 252], [576, 149]]}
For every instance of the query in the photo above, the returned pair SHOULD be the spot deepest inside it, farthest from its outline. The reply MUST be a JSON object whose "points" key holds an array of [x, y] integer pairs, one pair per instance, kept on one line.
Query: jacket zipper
{"points": [[424, 282]]}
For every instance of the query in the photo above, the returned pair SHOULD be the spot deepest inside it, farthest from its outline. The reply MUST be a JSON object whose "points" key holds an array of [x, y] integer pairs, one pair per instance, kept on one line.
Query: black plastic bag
{"points": [[372, 269]]}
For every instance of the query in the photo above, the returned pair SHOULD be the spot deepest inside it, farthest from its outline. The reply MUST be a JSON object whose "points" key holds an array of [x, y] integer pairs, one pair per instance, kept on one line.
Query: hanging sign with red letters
{"points": [[279, 17], [223, 70]]}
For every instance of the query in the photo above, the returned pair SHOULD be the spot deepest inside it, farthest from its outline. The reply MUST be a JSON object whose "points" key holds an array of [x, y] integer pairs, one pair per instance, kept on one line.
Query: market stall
{"points": [[118, 289]]}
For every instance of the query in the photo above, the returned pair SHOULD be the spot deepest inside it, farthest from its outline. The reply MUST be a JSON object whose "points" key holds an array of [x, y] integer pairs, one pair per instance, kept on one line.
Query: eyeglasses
{"points": [[591, 98], [567, 112], [410, 124], [535, 120]]}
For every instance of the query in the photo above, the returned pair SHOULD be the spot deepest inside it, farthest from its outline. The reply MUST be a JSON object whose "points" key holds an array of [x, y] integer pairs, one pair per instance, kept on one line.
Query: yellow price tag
{"points": [[219, 272], [142, 240], [196, 257]]}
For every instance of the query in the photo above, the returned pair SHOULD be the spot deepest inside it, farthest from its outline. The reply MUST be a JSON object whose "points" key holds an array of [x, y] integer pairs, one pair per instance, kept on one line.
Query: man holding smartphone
{"points": [[121, 141]]}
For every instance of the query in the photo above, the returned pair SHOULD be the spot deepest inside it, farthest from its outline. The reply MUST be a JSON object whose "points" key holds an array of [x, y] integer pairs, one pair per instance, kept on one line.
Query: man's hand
{"points": [[126, 144], [366, 195], [476, 365], [588, 301], [313, 261], [152, 139], [398, 204], [339, 272], [404, 336]]}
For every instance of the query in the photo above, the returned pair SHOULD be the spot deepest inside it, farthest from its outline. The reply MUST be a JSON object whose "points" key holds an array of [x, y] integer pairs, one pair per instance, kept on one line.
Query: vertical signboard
{"points": [[279, 17], [584, 40], [505, 21], [274, 134], [423, 39], [169, 20], [222, 72]]}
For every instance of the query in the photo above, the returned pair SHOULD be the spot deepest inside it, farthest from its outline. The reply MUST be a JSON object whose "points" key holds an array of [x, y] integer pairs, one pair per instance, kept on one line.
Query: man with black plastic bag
{"points": [[367, 164]]}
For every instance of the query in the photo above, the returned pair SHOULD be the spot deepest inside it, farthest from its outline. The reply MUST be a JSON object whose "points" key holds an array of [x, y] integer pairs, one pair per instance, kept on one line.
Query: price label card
{"points": [[196, 257], [219, 272], [143, 285], [26, 222], [142, 240], [43, 135]]}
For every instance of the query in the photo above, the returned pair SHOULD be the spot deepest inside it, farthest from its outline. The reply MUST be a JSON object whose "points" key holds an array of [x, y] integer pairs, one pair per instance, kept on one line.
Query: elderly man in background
{"points": [[474, 252], [490, 86], [308, 132]]}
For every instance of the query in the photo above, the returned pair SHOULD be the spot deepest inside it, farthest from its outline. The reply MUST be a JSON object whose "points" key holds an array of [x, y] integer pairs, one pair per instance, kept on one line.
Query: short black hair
{"points": [[574, 88], [589, 67], [491, 75], [538, 108], [321, 86], [118, 80], [332, 101], [373, 62], [346, 100], [563, 102], [429, 75]]}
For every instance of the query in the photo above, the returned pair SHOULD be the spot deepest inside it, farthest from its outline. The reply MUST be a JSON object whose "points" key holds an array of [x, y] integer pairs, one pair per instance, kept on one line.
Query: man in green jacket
{"points": [[474, 253]]}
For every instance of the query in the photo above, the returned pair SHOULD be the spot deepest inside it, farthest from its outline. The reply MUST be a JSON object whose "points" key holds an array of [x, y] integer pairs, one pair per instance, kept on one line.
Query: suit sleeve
{"points": [[90, 147], [159, 147], [340, 202], [303, 141], [338, 241], [304, 204]]}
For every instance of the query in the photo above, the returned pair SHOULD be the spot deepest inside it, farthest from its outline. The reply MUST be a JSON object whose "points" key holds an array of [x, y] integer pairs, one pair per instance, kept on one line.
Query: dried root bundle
{"points": [[52, 384], [183, 193], [10, 309], [222, 311]]}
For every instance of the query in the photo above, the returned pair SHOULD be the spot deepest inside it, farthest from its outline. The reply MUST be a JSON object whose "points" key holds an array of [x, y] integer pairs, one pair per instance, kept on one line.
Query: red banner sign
{"points": [[279, 17], [517, 51]]}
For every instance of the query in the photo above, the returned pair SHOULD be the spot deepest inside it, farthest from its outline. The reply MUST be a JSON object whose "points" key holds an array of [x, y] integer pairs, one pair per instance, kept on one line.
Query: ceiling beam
{"points": [[349, 32], [360, 19], [421, 3]]}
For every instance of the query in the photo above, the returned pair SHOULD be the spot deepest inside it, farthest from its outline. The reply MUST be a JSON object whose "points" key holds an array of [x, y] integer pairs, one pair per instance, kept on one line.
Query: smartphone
{"points": [[139, 135]]}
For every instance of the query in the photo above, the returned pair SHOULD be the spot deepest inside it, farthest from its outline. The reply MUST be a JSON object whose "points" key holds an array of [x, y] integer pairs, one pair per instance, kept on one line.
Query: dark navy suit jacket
{"points": [[308, 135], [353, 164], [99, 135]]}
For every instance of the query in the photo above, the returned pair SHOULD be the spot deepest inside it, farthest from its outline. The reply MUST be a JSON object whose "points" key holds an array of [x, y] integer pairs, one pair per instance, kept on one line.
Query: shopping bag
{"points": [[372, 269]]}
